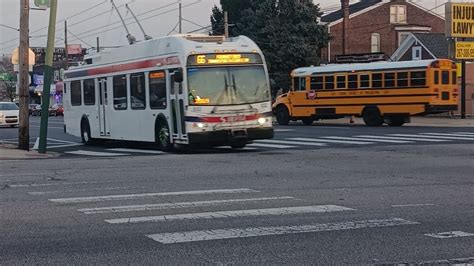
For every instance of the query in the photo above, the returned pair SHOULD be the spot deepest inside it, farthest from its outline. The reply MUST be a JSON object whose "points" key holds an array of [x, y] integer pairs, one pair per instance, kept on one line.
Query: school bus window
{"points": [[341, 82], [364, 81], [353, 81], [377, 80], [317, 83], [436, 77], [454, 77], [389, 79], [329, 82], [402, 79], [445, 77], [418, 78], [300, 84]]}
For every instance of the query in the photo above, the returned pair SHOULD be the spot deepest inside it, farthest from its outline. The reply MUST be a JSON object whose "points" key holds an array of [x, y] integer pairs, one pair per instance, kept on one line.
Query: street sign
{"points": [[464, 50], [42, 4], [460, 20]]}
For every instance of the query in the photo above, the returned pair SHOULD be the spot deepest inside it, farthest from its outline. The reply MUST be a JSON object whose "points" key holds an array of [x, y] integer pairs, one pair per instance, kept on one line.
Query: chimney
{"points": [[345, 25]]}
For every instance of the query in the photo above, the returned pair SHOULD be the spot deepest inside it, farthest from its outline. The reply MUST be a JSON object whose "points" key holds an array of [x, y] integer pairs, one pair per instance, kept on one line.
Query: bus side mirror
{"points": [[178, 76]]}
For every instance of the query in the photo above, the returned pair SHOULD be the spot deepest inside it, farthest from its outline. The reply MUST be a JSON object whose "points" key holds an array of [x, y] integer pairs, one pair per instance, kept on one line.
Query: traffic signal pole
{"points": [[48, 76]]}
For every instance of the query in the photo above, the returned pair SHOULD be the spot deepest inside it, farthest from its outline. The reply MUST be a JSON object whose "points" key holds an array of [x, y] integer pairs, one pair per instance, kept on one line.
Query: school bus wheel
{"points": [[307, 121], [372, 117], [282, 115]]}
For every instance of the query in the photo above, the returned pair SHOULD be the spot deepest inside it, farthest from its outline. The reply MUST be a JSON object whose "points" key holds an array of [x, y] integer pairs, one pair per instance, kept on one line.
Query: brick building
{"points": [[376, 26]]}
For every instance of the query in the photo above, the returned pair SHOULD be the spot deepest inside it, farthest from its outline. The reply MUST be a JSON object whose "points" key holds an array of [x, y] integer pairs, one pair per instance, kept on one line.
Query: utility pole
{"points": [[24, 127], [180, 20], [65, 46], [226, 25], [48, 76]]}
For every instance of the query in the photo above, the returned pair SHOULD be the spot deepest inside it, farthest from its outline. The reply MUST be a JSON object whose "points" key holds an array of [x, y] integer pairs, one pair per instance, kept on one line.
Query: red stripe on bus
{"points": [[173, 60]]}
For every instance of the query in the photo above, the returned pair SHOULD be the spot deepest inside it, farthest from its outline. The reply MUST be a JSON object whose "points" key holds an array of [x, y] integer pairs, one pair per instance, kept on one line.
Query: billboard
{"points": [[460, 20]]}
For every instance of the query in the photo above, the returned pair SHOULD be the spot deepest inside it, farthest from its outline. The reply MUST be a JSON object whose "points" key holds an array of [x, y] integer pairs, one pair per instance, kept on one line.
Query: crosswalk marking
{"points": [[148, 195], [276, 146], [135, 150], [448, 134], [232, 214], [176, 205], [333, 141], [403, 138], [79, 190], [193, 236], [95, 153], [369, 139], [451, 234], [435, 137], [290, 142], [467, 133]]}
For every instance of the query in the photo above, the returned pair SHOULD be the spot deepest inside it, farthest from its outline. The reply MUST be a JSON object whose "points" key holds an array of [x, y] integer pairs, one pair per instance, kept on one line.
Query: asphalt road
{"points": [[309, 197]]}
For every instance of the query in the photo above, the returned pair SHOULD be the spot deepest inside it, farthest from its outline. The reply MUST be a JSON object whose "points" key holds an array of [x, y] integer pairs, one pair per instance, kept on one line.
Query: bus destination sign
{"points": [[460, 20], [224, 59], [465, 50]]}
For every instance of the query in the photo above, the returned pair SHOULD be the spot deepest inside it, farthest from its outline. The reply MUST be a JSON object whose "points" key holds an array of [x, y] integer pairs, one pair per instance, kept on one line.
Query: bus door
{"points": [[299, 98], [177, 96], [103, 106]]}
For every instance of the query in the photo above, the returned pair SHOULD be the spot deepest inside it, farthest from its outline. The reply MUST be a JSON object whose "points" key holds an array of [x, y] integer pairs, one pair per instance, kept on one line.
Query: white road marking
{"points": [[451, 234], [403, 138], [276, 146], [283, 130], [63, 141], [448, 134], [231, 214], [79, 190], [370, 139], [412, 205], [63, 183], [95, 153], [467, 133], [435, 137], [35, 147], [148, 195], [65, 145], [276, 141], [174, 205], [136, 150], [333, 141], [193, 236]]}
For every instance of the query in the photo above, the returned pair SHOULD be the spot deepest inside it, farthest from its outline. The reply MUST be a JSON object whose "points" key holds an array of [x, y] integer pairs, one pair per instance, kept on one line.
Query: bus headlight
{"points": [[200, 125], [262, 120]]}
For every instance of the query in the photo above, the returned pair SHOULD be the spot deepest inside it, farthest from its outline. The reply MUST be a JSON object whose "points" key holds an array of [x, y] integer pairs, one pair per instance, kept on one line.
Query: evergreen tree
{"points": [[287, 31]]}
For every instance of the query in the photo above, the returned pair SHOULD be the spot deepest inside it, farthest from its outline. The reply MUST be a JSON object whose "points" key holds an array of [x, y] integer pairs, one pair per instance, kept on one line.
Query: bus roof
{"points": [[305, 71]]}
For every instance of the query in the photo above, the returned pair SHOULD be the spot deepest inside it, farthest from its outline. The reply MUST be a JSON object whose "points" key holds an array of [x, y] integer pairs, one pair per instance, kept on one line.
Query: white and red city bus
{"points": [[183, 89]]}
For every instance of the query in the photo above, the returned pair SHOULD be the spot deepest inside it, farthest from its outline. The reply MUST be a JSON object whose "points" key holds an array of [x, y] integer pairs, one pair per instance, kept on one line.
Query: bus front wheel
{"points": [[372, 117], [163, 138], [282, 115]]}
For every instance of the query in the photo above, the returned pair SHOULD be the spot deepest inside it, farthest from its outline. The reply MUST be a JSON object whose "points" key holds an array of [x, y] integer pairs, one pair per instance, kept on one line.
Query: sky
{"points": [[88, 19]]}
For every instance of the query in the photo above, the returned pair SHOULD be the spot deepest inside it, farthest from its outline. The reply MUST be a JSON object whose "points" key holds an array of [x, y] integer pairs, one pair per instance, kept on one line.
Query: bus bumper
{"points": [[437, 109], [226, 137]]}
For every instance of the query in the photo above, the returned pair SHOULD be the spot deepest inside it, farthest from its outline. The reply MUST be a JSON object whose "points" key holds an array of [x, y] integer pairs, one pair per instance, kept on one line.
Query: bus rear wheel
{"points": [[395, 120], [307, 121], [163, 138], [372, 117], [86, 134], [282, 115]]}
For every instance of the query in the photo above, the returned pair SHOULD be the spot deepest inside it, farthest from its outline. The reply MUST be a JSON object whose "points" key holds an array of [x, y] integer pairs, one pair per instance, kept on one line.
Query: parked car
{"points": [[9, 114], [56, 109]]}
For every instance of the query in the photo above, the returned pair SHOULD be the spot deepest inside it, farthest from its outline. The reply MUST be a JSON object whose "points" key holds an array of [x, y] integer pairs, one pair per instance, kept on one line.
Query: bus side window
{"points": [[418, 78], [120, 92], [436, 77], [89, 92], [453, 81], [377, 80], [317, 83], [157, 85], [137, 91], [353, 80], [402, 79], [300, 83], [329, 82], [76, 94], [365, 81], [389, 80], [341, 82]]}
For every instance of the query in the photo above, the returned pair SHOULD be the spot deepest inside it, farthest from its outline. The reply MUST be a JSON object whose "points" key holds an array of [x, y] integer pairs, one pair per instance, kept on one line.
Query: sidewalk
{"points": [[11, 152]]}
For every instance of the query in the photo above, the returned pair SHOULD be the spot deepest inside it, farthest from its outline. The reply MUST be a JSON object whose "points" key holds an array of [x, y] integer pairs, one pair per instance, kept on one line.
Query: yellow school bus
{"points": [[383, 92]]}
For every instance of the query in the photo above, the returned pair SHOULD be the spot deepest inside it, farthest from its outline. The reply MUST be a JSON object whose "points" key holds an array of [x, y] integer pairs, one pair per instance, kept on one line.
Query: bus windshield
{"points": [[227, 85]]}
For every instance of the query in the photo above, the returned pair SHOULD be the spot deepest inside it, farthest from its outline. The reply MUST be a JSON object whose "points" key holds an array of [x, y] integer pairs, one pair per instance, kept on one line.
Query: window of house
{"points": [[89, 92], [402, 36], [375, 43], [352, 81], [329, 82], [377, 80], [365, 81], [137, 91], [120, 92], [76, 94], [398, 14], [416, 53], [317, 83], [402, 79], [445, 77], [157, 82], [389, 80], [341, 82], [418, 78]]}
